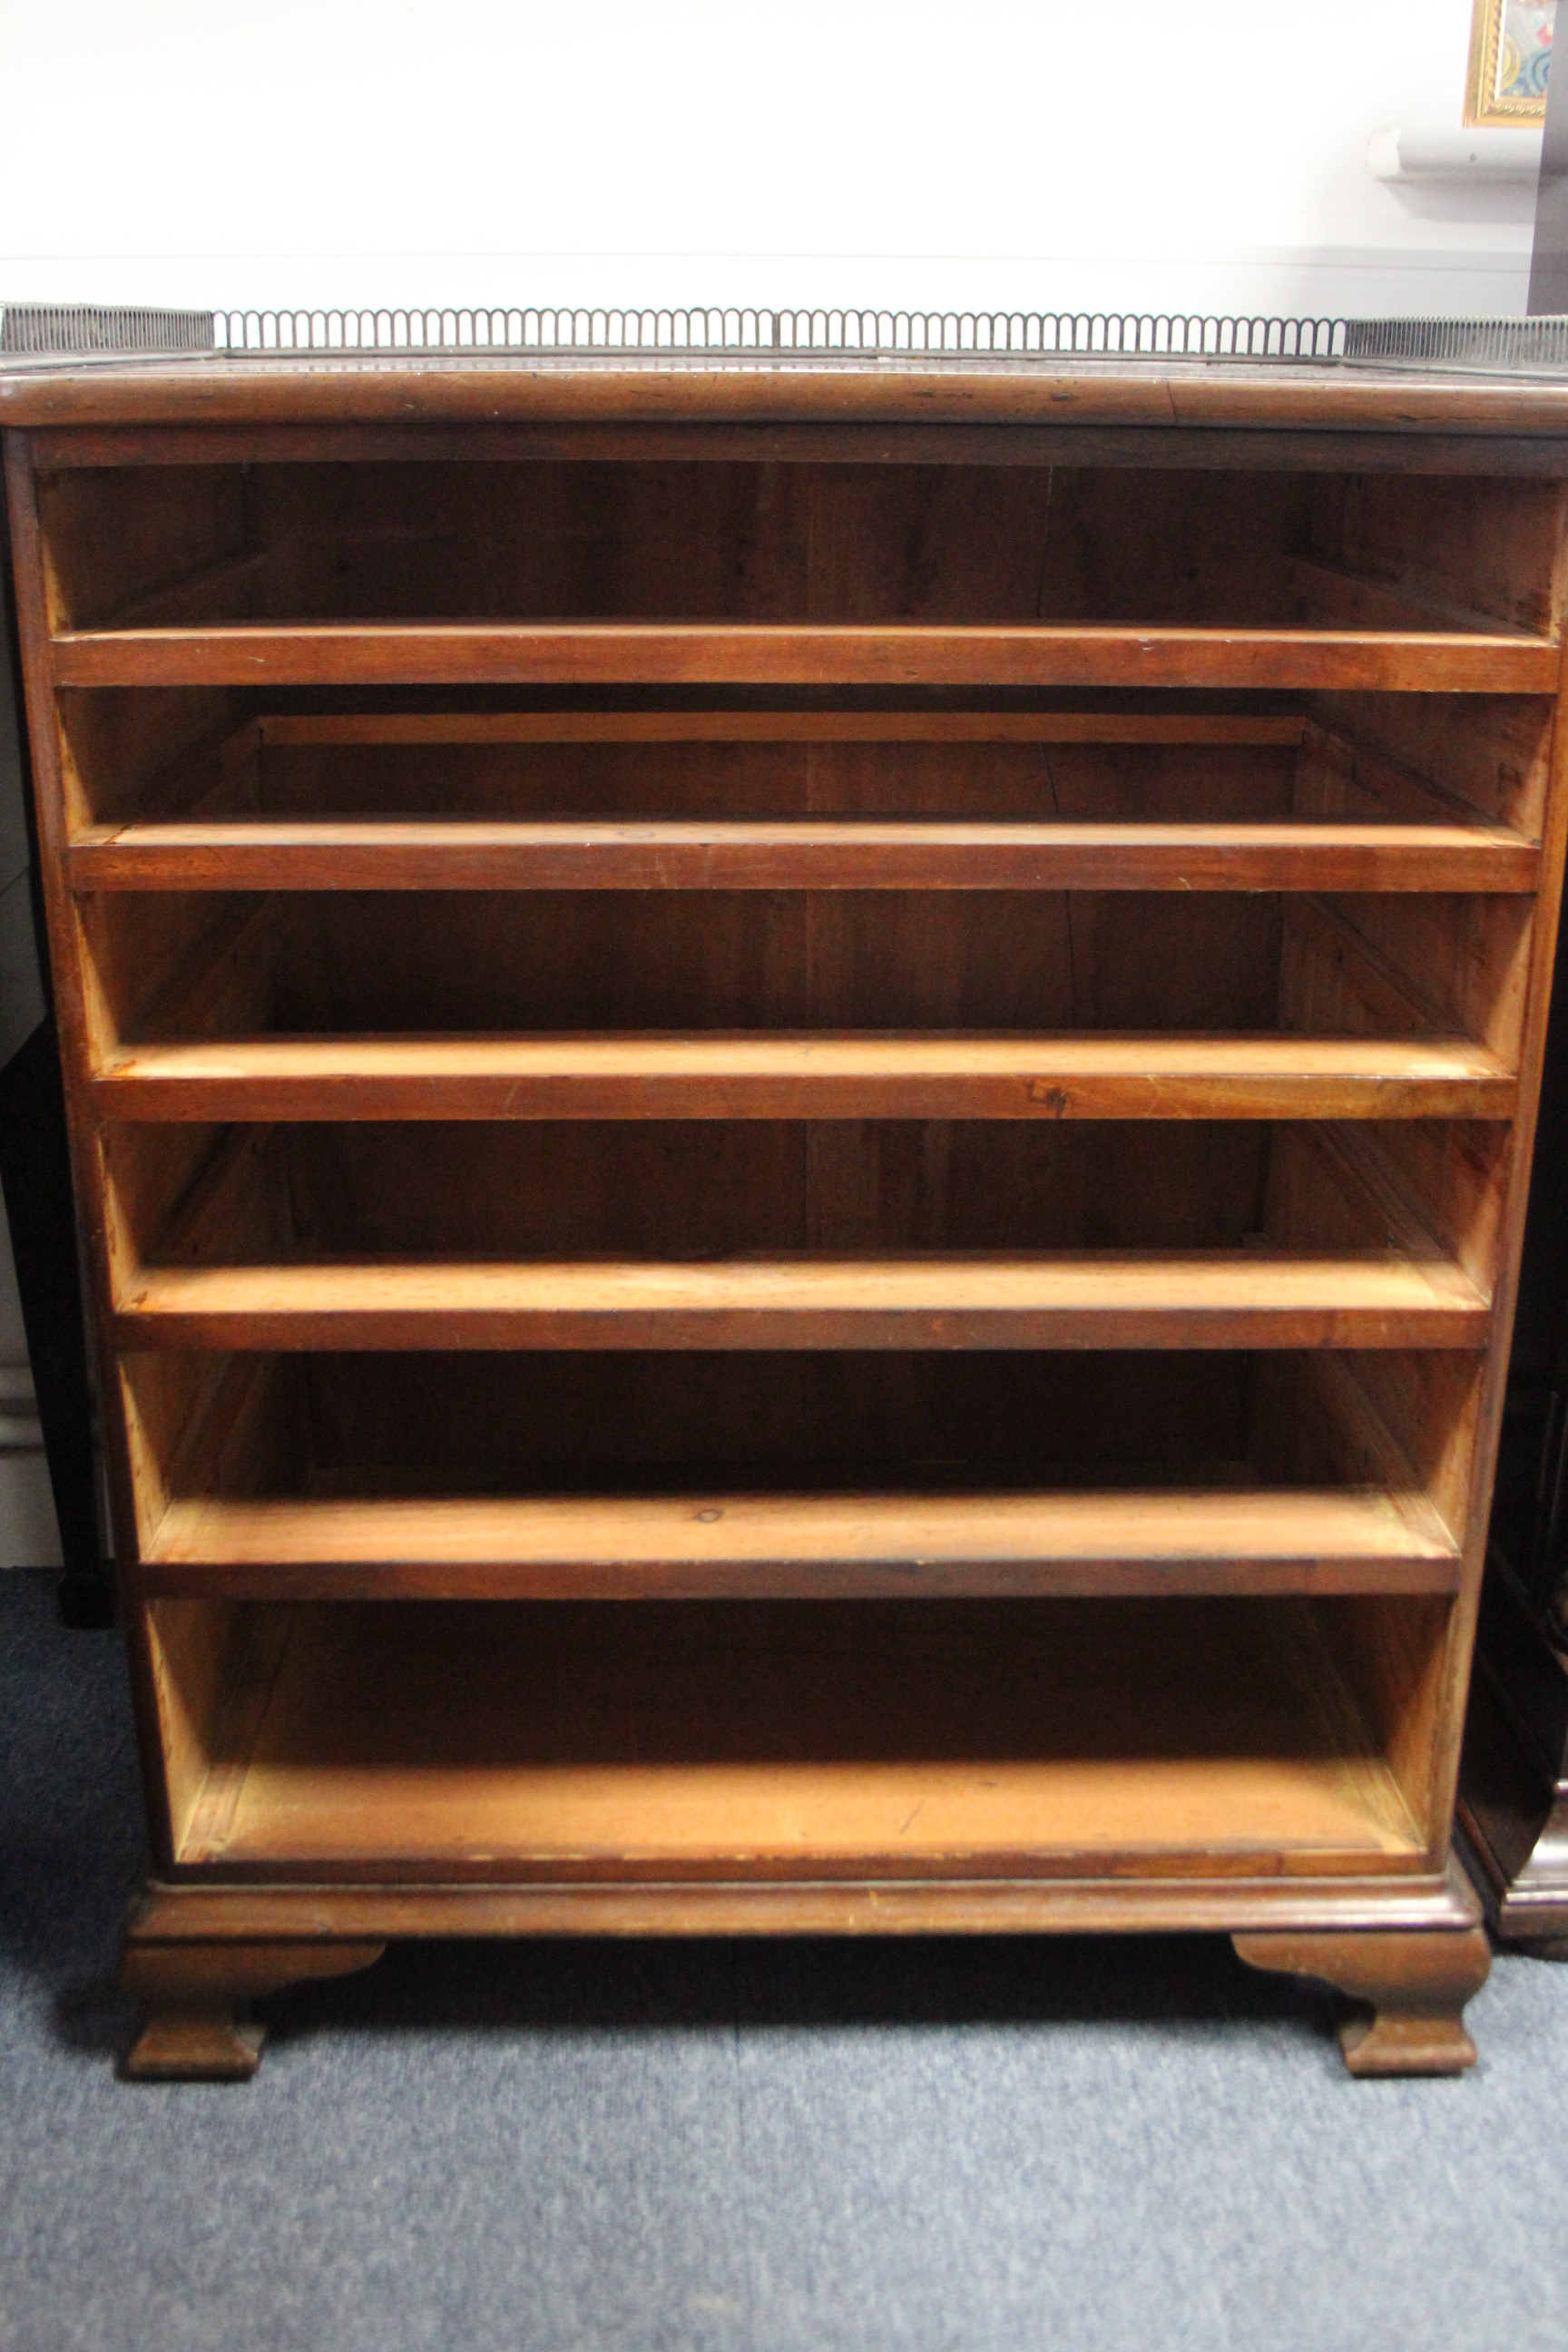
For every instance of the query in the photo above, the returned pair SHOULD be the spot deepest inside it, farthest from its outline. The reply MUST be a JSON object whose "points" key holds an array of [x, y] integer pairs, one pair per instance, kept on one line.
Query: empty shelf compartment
{"points": [[847, 545], [751, 1475], [881, 1740], [895, 1235]]}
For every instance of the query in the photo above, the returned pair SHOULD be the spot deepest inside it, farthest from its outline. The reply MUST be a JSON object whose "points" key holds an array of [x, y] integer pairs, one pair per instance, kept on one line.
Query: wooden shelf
{"points": [[782, 1546], [1215, 1298], [932, 1741], [901, 655], [814, 1074], [475, 853]]}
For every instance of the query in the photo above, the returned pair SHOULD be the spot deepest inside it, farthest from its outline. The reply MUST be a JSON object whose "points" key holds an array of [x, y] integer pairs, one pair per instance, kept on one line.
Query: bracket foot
{"points": [[1416, 1984], [192, 1993]]}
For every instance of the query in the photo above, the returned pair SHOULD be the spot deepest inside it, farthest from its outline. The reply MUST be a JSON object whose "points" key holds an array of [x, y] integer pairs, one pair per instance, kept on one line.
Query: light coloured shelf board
{"points": [[486, 854], [806, 1074], [1215, 1299], [1165, 1541], [1491, 660]]}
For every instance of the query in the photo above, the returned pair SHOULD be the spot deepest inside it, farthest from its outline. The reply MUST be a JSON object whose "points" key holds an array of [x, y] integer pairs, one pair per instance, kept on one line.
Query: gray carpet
{"points": [[927, 2144]]}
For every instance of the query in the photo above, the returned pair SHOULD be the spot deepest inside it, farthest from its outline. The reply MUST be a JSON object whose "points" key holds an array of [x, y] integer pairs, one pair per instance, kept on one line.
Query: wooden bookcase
{"points": [[802, 1096]]}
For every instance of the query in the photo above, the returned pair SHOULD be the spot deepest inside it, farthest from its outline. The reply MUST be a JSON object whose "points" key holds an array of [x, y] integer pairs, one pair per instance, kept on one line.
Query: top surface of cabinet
{"points": [[758, 389]]}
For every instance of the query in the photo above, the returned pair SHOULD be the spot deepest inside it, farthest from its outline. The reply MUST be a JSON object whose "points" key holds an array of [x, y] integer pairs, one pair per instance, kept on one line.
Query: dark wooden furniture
{"points": [[1513, 1784], [35, 1178], [804, 1094]]}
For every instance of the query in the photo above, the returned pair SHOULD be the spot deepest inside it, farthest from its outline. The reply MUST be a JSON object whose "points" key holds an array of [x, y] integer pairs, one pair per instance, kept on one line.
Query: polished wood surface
{"points": [[717, 726], [1513, 1789], [191, 1991], [785, 1546], [697, 1739], [1251, 1300], [1407, 405], [1513, 1802], [736, 1292], [480, 855], [642, 654], [1415, 1986], [813, 1077], [200, 1910]]}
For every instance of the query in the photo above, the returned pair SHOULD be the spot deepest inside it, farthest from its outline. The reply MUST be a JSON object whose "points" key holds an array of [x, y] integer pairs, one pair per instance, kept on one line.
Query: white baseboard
{"points": [[29, 1536]]}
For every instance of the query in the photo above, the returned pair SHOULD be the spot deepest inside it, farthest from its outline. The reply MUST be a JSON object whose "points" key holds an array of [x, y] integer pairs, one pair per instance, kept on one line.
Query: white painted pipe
{"points": [[1479, 153], [20, 1433]]}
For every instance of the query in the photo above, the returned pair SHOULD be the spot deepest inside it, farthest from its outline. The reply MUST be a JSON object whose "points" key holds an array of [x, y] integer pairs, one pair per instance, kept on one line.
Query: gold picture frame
{"points": [[1511, 50]]}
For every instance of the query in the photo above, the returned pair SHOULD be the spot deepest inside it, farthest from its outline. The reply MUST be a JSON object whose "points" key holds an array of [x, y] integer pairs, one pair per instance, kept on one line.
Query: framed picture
{"points": [[1510, 56]]}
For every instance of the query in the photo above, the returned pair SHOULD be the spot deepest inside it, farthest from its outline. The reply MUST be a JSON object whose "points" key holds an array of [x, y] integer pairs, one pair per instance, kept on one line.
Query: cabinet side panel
{"points": [[1490, 752], [1390, 1651], [1469, 958], [141, 751], [1492, 547], [66, 970], [214, 1663], [113, 534], [1449, 1712]]}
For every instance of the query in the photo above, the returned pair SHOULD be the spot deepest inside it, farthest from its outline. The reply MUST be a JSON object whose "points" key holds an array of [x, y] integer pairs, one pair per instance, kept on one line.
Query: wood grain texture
{"points": [[1122, 1543], [815, 1076], [1417, 1987], [600, 1422], [193, 1194], [191, 1993], [180, 1908], [1248, 1299], [1489, 755], [1325, 596], [1500, 553], [154, 754], [915, 769], [1102, 726], [808, 654], [1141, 448], [485, 855], [119, 540], [753, 964], [955, 390], [938, 1738]]}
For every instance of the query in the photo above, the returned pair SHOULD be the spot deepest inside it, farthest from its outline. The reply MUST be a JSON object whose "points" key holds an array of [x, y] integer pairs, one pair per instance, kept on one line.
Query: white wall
{"points": [[1151, 153], [29, 1535]]}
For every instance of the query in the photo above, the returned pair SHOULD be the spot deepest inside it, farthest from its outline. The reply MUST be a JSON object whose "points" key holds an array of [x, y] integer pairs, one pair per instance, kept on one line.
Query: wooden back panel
{"points": [[754, 541], [182, 964], [198, 1194], [499, 1423]]}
